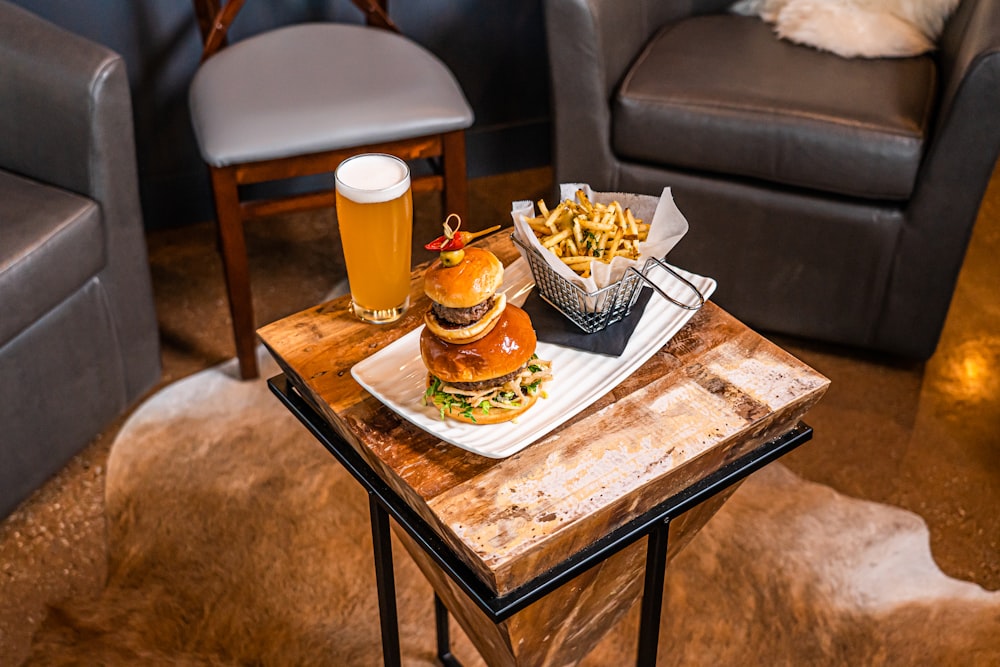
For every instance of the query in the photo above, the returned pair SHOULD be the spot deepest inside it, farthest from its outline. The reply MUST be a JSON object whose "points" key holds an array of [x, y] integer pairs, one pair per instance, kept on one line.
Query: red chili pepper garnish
{"points": [[445, 243], [451, 240], [454, 239]]}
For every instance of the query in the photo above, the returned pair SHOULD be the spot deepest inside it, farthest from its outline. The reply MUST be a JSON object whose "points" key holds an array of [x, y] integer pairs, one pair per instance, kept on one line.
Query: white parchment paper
{"points": [[667, 225]]}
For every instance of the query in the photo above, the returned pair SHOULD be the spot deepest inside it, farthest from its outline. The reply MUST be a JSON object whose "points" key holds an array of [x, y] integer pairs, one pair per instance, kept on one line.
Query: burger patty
{"points": [[461, 317], [486, 384]]}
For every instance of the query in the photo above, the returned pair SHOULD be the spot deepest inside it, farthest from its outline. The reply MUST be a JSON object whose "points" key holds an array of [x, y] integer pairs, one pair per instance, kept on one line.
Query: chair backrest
{"points": [[216, 16]]}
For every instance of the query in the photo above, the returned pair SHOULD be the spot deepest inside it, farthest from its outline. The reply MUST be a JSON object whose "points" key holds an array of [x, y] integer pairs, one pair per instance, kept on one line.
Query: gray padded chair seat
{"points": [[408, 92], [51, 243], [735, 103]]}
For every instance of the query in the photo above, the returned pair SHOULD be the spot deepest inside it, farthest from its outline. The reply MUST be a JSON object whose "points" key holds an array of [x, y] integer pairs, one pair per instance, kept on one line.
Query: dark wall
{"points": [[496, 49]]}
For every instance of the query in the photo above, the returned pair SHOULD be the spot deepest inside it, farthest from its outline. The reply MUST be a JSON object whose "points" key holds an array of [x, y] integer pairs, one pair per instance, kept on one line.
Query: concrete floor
{"points": [[925, 437]]}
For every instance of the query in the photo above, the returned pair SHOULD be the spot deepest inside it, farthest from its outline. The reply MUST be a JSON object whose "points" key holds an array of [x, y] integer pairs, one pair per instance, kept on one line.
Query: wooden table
{"points": [[538, 554]]}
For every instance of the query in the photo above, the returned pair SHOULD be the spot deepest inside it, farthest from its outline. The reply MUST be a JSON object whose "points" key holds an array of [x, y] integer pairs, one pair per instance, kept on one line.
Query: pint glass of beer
{"points": [[375, 214]]}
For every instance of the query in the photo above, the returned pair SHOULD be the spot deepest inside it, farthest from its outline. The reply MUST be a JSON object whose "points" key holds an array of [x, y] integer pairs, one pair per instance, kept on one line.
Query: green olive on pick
{"points": [[451, 257]]}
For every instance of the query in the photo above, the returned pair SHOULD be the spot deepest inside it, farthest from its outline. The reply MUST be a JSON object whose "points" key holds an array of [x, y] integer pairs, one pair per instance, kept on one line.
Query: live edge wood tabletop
{"points": [[715, 392]]}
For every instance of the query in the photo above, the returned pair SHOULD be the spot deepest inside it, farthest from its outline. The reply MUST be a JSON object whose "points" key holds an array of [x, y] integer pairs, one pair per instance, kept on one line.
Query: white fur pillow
{"points": [[855, 28]]}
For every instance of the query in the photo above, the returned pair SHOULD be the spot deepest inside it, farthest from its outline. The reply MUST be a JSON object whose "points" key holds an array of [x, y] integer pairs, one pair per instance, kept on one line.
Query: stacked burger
{"points": [[478, 349]]}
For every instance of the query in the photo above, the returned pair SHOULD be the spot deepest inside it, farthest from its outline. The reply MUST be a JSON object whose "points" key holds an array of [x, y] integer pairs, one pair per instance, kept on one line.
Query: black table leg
{"points": [[443, 636], [652, 594], [385, 581]]}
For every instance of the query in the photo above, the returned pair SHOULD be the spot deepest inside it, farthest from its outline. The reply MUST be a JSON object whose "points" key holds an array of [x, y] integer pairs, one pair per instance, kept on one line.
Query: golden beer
{"points": [[375, 215]]}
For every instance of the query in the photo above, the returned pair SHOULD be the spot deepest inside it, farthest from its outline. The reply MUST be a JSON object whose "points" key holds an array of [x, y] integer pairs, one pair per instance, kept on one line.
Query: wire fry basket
{"points": [[594, 311]]}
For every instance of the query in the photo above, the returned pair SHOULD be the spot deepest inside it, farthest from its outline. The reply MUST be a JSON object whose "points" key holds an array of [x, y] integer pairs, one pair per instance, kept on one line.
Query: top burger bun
{"points": [[472, 281]]}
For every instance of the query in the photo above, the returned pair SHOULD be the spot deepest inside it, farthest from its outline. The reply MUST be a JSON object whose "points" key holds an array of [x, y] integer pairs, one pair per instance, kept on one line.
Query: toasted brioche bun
{"points": [[470, 282], [494, 416], [506, 348], [472, 332]]}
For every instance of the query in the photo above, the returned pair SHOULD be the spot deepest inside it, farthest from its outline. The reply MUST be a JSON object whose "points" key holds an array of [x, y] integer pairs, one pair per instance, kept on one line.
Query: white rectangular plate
{"points": [[397, 377]]}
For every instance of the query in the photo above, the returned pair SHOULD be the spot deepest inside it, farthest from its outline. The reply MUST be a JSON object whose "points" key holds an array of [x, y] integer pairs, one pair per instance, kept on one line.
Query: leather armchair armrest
{"points": [[969, 36], [587, 57], [66, 120], [54, 124], [966, 140], [591, 44], [959, 159]]}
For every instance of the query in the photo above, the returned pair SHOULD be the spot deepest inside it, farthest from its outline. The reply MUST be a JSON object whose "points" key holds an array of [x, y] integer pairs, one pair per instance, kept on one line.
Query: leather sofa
{"points": [[78, 331], [831, 198]]}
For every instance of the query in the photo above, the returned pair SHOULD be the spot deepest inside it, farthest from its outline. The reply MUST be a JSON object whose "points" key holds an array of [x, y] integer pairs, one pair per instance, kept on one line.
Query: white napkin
{"points": [[667, 225]]}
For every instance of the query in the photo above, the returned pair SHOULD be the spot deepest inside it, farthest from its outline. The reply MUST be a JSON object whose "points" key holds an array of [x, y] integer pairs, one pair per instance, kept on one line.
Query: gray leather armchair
{"points": [[832, 198], [78, 331]]}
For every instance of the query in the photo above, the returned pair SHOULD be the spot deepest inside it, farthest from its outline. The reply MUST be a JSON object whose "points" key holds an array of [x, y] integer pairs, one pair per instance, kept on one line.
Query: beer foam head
{"points": [[372, 178]]}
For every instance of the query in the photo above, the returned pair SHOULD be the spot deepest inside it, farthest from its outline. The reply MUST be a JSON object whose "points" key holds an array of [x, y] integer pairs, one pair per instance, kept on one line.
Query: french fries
{"points": [[580, 231]]}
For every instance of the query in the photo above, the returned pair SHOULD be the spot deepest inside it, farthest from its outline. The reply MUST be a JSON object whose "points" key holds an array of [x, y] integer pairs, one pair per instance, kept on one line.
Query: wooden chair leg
{"points": [[456, 184], [235, 266]]}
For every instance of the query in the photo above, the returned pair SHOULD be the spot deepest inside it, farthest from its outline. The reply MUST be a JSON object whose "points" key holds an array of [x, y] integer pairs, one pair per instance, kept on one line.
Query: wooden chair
{"points": [[296, 101]]}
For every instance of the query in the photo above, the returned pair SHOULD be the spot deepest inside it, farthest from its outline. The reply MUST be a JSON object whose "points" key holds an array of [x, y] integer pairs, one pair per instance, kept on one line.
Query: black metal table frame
{"points": [[385, 502]]}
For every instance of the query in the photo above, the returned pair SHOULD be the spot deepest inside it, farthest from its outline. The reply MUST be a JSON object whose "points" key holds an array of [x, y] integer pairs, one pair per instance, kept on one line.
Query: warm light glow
{"points": [[972, 371]]}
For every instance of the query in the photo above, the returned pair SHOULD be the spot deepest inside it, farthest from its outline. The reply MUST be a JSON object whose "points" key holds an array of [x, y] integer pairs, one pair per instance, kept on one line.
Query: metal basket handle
{"points": [[666, 267]]}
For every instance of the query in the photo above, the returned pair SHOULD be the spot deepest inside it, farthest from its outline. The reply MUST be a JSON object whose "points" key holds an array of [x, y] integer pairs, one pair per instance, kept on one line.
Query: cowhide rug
{"points": [[235, 539]]}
